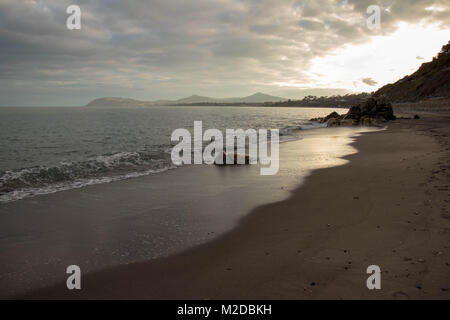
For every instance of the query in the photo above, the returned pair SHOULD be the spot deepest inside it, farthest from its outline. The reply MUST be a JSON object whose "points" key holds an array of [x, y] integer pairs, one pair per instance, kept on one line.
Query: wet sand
{"points": [[388, 207]]}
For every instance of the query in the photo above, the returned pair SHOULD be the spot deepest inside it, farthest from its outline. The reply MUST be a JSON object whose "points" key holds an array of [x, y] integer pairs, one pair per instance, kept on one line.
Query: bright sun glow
{"points": [[385, 59]]}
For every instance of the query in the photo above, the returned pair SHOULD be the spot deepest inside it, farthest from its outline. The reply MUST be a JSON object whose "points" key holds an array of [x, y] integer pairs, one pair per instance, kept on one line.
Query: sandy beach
{"points": [[134, 220], [388, 206]]}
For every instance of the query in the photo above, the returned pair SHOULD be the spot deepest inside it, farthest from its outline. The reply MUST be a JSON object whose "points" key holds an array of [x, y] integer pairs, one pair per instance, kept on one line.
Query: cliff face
{"points": [[431, 80]]}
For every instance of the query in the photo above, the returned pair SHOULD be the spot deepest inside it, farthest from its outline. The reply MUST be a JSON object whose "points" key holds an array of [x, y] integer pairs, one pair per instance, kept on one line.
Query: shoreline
{"points": [[388, 206], [101, 226]]}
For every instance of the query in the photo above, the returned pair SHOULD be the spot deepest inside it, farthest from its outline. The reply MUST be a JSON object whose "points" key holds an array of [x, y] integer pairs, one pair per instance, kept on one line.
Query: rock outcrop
{"points": [[373, 112]]}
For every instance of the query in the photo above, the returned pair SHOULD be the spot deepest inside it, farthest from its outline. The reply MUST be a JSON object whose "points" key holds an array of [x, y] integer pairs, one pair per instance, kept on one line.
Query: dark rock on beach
{"points": [[372, 112], [354, 113], [333, 115]]}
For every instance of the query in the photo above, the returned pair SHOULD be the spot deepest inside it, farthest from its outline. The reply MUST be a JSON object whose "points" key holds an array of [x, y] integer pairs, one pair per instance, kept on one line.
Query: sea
{"points": [[49, 149]]}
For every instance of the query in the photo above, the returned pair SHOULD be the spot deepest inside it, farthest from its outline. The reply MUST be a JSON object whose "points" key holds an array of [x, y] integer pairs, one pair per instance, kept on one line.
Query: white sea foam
{"points": [[31, 192]]}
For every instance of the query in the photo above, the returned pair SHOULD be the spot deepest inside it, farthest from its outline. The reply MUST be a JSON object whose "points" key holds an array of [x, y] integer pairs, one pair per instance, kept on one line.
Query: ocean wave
{"points": [[31, 192], [295, 130], [18, 184]]}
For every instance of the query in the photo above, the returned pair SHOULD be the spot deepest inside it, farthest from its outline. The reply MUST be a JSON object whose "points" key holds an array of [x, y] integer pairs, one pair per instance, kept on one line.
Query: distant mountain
{"points": [[431, 80], [113, 102], [117, 102], [254, 98], [194, 99]]}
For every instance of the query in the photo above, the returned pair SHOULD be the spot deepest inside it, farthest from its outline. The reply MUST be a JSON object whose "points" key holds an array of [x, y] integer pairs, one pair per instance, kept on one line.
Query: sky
{"points": [[169, 49]]}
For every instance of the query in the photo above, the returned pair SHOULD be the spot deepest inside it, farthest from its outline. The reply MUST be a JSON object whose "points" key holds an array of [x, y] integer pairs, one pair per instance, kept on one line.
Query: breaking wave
{"points": [[18, 184]]}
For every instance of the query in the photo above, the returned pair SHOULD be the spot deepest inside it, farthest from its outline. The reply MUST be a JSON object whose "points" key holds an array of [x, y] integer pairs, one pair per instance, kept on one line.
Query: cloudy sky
{"points": [[222, 48]]}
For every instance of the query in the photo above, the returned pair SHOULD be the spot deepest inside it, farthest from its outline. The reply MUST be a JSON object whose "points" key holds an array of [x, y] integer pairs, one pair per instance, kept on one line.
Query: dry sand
{"points": [[388, 206]]}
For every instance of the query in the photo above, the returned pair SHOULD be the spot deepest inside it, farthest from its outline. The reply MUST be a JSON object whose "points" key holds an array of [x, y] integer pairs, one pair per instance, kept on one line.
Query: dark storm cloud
{"points": [[161, 48]]}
